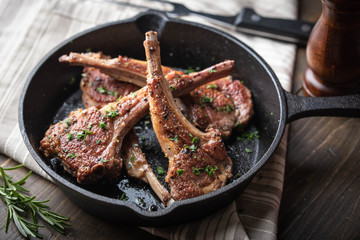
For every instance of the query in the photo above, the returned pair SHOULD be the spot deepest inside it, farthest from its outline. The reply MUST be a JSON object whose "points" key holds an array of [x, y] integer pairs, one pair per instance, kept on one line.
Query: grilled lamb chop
{"points": [[98, 133], [198, 161], [225, 104]]}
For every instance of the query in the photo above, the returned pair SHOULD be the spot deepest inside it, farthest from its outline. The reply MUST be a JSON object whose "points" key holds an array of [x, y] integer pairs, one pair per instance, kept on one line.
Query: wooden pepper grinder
{"points": [[333, 50]]}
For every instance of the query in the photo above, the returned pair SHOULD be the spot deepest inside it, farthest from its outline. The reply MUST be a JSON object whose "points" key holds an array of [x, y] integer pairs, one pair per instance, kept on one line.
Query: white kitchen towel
{"points": [[30, 29]]}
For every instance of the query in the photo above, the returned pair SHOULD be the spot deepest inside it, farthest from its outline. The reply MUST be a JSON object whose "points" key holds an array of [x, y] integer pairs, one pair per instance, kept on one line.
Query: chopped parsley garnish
{"points": [[102, 125], [123, 197], [211, 170], [248, 136], [135, 145], [212, 86], [70, 136], [89, 126], [197, 171], [112, 114], [71, 155], [132, 159], [140, 201], [104, 160], [180, 171], [67, 122], [193, 147], [172, 88], [229, 108], [103, 90], [195, 140], [212, 70], [205, 99], [248, 150], [175, 139], [160, 171], [98, 141], [83, 134]]}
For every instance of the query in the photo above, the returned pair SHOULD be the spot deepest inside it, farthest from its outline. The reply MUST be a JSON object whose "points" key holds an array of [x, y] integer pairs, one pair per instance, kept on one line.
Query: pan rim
{"points": [[153, 215]]}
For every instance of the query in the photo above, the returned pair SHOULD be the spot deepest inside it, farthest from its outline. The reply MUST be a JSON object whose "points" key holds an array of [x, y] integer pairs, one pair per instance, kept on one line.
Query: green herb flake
{"points": [[172, 88], [179, 172], [103, 90], [197, 171], [175, 138], [88, 50], [211, 170], [123, 197], [248, 150], [160, 170], [212, 70], [135, 145], [82, 135], [205, 99], [104, 160], [67, 122], [132, 159], [89, 126], [193, 148], [72, 155], [195, 140], [112, 114], [98, 141], [212, 86], [70, 136], [229, 108], [83, 75], [102, 125]]}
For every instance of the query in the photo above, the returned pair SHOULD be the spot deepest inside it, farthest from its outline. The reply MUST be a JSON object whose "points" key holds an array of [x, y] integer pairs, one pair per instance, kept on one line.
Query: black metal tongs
{"points": [[247, 21]]}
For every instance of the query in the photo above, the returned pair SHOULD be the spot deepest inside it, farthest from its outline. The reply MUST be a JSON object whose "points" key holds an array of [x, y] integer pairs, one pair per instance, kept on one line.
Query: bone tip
{"points": [[151, 35], [64, 58], [171, 201]]}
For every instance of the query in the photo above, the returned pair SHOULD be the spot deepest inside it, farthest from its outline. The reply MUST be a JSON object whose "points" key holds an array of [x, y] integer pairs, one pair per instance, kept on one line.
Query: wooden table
{"points": [[322, 180]]}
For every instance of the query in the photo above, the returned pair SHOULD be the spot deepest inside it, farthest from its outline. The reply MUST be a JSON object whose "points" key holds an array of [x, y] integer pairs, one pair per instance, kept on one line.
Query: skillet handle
{"points": [[341, 106]]}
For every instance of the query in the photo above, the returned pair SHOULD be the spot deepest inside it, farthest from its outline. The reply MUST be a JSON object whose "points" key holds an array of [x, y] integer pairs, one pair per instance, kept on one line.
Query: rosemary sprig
{"points": [[19, 205]]}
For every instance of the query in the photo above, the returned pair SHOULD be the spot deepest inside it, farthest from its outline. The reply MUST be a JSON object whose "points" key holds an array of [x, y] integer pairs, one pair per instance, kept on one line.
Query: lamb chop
{"points": [[225, 104], [198, 161], [88, 142]]}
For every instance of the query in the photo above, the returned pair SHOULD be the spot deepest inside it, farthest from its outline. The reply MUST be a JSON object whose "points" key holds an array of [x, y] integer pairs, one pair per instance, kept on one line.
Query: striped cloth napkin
{"points": [[29, 29]]}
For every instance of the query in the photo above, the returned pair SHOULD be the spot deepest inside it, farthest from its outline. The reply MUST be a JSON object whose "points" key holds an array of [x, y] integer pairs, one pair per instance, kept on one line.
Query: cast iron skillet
{"points": [[183, 45]]}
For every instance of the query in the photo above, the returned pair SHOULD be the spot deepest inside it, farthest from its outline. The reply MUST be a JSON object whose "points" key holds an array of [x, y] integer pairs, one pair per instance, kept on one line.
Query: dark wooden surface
{"points": [[322, 180]]}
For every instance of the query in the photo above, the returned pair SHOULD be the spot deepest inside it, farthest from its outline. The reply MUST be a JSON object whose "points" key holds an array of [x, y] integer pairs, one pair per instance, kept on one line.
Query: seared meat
{"points": [[91, 154], [100, 89], [137, 167], [198, 162], [88, 142], [223, 104]]}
